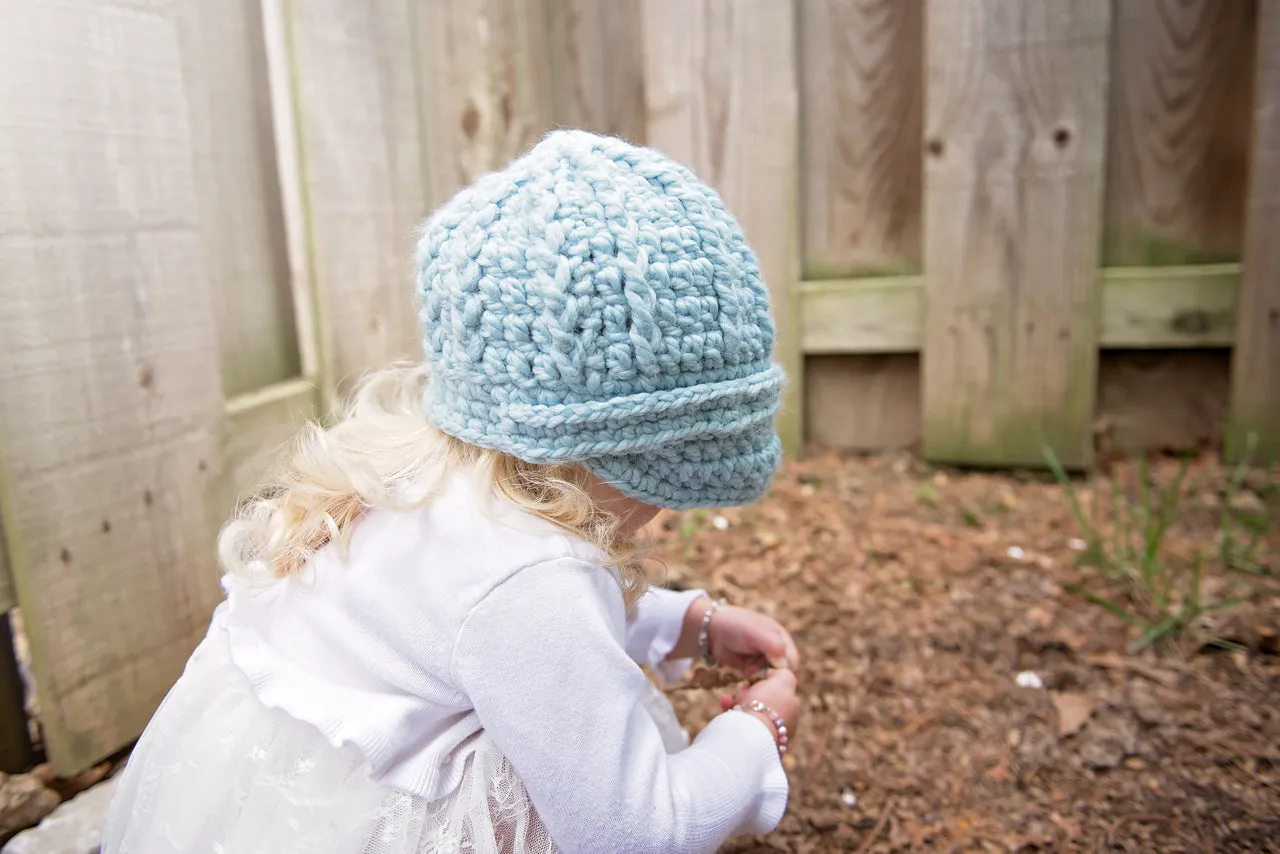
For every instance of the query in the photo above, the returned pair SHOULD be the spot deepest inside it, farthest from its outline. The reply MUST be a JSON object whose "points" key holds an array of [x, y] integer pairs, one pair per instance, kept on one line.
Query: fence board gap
{"points": [[1015, 111], [1255, 366]]}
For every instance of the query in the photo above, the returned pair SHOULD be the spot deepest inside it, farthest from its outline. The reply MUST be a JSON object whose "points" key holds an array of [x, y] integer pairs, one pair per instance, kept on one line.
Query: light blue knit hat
{"points": [[595, 302]]}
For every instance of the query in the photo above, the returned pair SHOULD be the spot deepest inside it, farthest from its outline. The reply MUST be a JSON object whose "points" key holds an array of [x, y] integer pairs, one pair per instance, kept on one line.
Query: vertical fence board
{"points": [[1179, 130], [1255, 366], [1015, 111], [597, 69], [486, 95], [360, 153], [109, 371], [863, 402], [721, 96], [242, 226], [862, 110]]}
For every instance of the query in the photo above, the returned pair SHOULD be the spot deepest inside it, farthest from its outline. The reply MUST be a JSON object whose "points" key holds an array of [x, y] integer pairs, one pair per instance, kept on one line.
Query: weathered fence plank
{"points": [[1179, 131], [863, 402], [486, 86], [224, 68], [1015, 116], [1255, 365], [721, 96], [1142, 308], [597, 68], [109, 365], [362, 164], [862, 110]]}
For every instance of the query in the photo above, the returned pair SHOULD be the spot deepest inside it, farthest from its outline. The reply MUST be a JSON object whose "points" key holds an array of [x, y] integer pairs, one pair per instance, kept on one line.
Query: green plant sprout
{"points": [[1164, 599]]}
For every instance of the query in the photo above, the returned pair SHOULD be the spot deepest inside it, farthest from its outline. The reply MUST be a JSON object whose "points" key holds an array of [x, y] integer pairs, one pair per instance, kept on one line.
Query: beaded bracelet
{"points": [[704, 634], [778, 724]]}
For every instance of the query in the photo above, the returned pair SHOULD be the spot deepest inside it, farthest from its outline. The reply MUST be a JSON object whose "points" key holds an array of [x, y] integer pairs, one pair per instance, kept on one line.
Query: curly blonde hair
{"points": [[379, 444]]}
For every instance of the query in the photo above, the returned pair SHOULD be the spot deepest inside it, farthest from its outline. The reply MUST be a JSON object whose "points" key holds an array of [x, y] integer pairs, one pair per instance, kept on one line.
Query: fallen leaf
{"points": [[1073, 710]]}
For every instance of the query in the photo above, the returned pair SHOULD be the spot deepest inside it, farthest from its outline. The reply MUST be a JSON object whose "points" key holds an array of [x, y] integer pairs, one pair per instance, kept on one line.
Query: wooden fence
{"points": [[207, 208]]}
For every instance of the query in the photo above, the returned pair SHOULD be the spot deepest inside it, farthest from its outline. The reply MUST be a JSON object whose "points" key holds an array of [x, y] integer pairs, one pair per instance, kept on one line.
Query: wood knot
{"points": [[935, 147], [1191, 322], [471, 120], [1061, 136]]}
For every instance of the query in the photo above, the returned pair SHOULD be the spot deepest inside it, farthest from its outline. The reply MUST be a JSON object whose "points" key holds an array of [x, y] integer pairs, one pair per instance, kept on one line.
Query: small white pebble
{"points": [[1029, 679], [1076, 544], [1045, 561], [720, 523], [1016, 553], [849, 799]]}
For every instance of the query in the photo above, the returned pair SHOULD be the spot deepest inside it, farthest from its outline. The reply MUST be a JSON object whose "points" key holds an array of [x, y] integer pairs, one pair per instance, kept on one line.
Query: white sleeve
{"points": [[541, 658], [653, 629]]}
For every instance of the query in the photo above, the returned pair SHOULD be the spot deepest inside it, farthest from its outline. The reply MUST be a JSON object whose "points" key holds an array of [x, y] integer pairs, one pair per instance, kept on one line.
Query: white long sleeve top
{"points": [[467, 615]]}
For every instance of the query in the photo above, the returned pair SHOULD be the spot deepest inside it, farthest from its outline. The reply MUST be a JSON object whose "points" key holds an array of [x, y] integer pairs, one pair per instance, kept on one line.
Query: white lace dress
{"points": [[217, 771]]}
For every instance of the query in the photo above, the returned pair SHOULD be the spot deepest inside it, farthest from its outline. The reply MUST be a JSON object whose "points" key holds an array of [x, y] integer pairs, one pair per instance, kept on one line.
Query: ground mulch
{"points": [[918, 595]]}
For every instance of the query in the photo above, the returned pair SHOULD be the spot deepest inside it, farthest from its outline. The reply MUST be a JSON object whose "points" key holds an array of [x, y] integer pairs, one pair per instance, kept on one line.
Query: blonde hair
{"points": [[380, 447]]}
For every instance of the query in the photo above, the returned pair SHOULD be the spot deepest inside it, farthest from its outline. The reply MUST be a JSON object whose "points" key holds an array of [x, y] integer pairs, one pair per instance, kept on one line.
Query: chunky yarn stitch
{"points": [[595, 302]]}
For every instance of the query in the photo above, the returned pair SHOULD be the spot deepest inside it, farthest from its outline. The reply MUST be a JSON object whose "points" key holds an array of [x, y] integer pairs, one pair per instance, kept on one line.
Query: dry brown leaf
{"points": [[1073, 710]]}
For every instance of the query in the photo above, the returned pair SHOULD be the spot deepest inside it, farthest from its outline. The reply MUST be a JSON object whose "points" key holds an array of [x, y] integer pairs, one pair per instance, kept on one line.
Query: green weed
{"points": [[1125, 543]]}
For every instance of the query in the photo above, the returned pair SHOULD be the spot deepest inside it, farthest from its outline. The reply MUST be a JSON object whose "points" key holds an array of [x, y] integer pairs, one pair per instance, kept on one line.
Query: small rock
{"points": [[849, 799], [1029, 679], [1076, 544], [1143, 702], [73, 828], [1107, 742], [24, 801], [720, 523], [1016, 552]]}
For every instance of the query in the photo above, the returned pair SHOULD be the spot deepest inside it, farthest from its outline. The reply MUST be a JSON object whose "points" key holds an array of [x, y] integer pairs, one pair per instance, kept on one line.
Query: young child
{"points": [[434, 617]]}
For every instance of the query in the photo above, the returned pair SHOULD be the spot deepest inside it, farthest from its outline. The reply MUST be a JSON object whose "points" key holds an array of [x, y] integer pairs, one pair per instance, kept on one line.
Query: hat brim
{"points": [[708, 473]]}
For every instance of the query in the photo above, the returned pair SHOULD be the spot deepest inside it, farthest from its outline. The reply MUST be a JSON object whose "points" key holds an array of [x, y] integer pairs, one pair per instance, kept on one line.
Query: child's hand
{"points": [[777, 691], [749, 642]]}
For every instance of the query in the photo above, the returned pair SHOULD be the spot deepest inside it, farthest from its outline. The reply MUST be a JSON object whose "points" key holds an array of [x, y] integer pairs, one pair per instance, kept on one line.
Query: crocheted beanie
{"points": [[594, 302]]}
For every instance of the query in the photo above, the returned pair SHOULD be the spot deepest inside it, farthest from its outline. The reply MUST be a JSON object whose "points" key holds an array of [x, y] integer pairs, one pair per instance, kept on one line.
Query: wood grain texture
{"points": [[721, 96], [863, 402], [109, 366], [364, 195], [862, 315], [862, 109], [1147, 401], [1255, 368], [1142, 307], [1150, 307], [597, 67], [1015, 111], [1179, 130], [1165, 401], [224, 72], [486, 86]]}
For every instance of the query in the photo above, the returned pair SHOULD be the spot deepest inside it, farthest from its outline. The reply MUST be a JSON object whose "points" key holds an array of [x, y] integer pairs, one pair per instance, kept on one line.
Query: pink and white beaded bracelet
{"points": [[778, 723]]}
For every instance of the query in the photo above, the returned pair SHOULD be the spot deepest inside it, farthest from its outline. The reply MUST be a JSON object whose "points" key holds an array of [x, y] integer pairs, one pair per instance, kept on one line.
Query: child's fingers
{"points": [[780, 650], [792, 654], [726, 703]]}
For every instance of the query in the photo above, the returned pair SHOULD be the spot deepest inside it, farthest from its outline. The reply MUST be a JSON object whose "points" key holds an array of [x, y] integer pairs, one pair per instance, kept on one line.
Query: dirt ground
{"points": [[917, 597]]}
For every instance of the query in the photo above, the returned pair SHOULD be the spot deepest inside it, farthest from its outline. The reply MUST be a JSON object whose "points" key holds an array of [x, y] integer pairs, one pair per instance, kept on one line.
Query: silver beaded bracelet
{"points": [[704, 634], [778, 723]]}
